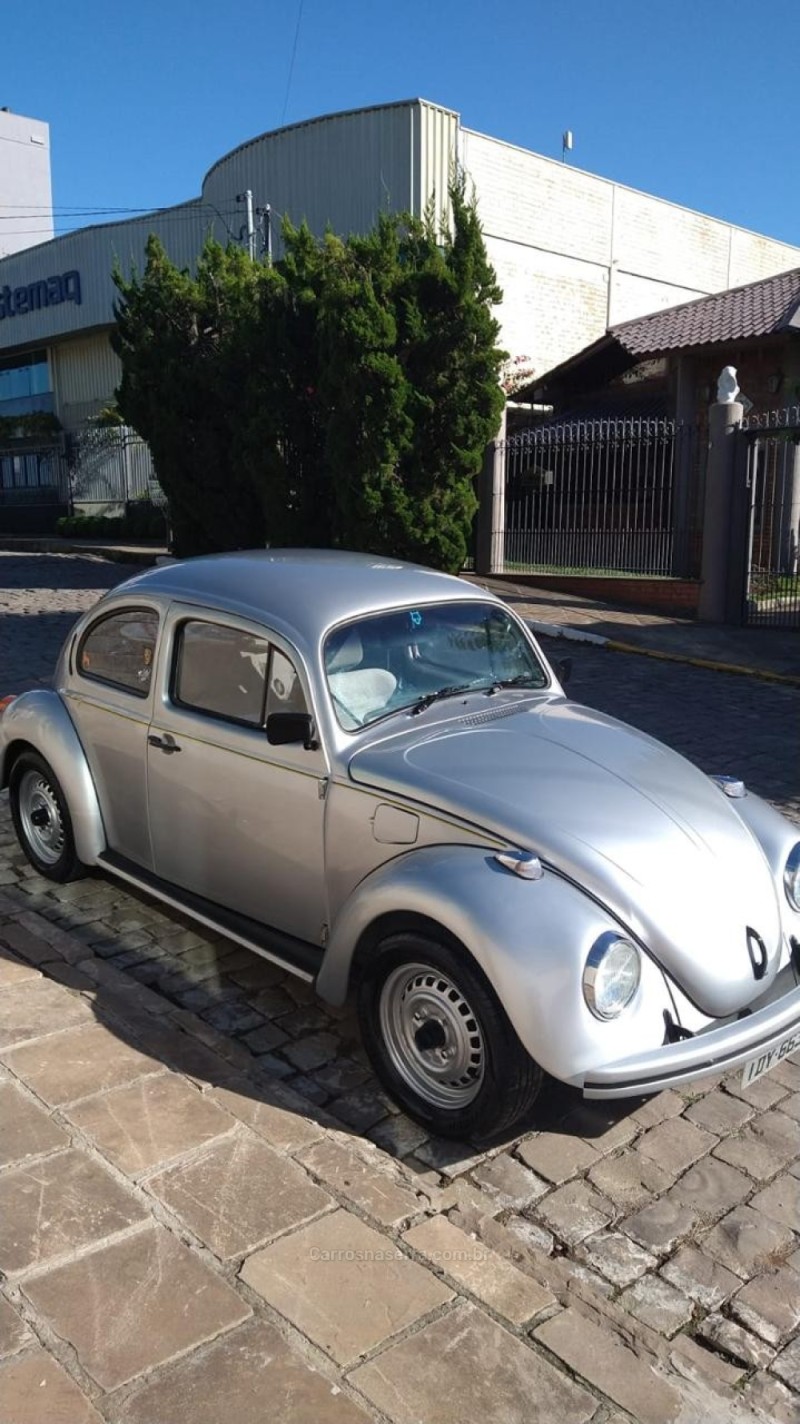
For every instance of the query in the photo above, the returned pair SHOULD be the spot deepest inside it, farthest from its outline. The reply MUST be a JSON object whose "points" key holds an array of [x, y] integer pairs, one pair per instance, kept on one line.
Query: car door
{"points": [[110, 699], [232, 818]]}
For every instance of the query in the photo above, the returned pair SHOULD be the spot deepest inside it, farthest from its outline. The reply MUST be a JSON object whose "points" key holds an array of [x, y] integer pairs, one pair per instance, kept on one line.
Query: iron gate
{"points": [[610, 495], [772, 579]]}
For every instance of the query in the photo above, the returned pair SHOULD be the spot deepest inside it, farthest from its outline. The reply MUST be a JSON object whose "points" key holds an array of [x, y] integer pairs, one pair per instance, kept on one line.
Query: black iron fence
{"points": [[34, 489], [772, 583], [112, 465], [616, 494]]}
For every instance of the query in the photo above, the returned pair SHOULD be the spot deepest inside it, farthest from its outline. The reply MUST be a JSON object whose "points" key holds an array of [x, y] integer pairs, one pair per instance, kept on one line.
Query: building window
{"points": [[24, 376]]}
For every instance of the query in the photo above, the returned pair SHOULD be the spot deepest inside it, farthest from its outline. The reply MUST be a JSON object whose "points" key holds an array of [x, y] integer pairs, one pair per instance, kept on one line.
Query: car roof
{"points": [[307, 590]]}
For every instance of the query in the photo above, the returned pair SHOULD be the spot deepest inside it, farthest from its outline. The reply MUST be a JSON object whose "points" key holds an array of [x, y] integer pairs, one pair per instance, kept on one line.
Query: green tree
{"points": [[343, 397], [183, 380]]}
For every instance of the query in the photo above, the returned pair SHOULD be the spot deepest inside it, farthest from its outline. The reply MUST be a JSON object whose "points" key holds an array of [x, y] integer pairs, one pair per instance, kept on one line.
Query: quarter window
{"points": [[120, 650]]}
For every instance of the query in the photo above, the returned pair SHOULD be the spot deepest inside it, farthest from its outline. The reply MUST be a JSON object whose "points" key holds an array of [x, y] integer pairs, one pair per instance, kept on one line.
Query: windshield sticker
{"points": [[415, 618]]}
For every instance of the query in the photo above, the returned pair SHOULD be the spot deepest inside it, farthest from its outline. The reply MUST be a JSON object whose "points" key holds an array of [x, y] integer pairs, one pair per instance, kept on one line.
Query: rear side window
{"points": [[120, 649], [221, 671]]}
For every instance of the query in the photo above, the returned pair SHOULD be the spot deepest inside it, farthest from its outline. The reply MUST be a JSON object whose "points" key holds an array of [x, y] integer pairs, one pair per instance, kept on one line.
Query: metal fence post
{"points": [[724, 420]]}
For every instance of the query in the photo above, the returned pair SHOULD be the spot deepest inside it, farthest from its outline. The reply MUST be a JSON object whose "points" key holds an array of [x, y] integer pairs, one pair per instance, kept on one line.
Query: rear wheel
{"points": [[42, 820], [440, 1042]]}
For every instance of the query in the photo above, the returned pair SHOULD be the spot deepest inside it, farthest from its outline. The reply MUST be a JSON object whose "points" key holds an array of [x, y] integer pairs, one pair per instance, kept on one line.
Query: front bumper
{"points": [[712, 1050]]}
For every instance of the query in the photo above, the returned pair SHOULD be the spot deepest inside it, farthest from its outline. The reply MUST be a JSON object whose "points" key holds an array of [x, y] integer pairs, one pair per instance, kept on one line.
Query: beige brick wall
{"points": [[575, 253]]}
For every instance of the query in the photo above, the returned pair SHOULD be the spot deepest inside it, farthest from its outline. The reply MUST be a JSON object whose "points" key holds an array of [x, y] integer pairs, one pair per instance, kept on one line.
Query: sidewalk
{"points": [[761, 652]]}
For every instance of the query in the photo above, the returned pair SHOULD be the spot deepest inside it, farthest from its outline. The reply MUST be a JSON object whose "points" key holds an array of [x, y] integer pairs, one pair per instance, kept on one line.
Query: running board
{"points": [[296, 955]]}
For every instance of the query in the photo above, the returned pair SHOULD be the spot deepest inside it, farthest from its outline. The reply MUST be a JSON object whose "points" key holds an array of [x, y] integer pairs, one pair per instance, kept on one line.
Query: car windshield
{"points": [[411, 657]]}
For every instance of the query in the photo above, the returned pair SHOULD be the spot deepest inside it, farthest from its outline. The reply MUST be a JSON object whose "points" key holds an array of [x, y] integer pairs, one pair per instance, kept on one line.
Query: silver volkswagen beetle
{"points": [[369, 773]]}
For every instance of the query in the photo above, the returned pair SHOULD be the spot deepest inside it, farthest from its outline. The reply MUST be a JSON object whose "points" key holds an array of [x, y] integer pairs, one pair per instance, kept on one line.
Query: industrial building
{"points": [[574, 253]]}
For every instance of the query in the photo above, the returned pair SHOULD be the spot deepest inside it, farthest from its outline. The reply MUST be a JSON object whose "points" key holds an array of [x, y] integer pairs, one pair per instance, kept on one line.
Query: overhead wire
{"points": [[291, 62]]}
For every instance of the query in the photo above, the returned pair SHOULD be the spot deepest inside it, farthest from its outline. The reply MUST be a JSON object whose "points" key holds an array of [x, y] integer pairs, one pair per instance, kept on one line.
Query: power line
{"points": [[201, 211], [291, 62]]}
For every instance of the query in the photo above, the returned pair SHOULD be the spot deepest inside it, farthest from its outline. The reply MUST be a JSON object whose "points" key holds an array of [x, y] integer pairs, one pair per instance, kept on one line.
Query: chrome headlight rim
{"points": [[791, 877], [598, 960]]}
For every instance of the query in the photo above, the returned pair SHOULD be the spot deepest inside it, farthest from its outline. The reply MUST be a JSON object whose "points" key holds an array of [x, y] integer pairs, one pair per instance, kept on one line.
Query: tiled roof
{"points": [[759, 309]]}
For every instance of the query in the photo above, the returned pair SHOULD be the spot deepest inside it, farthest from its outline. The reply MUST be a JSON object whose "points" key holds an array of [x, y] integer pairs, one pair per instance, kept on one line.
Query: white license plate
{"points": [[757, 1067]]}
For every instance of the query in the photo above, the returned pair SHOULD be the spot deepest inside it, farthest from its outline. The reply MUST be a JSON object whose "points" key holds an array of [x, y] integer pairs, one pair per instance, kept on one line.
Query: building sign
{"points": [[49, 292]]}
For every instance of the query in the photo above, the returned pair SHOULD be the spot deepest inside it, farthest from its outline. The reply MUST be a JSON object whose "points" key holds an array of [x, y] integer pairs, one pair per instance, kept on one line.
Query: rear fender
{"points": [[39, 720], [530, 938]]}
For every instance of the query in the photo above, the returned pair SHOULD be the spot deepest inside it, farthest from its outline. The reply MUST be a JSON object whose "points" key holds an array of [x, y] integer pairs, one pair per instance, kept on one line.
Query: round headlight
{"points": [[791, 877], [611, 976]]}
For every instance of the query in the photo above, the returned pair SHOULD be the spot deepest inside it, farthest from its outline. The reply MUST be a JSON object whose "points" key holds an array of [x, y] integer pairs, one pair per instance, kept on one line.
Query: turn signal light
{"points": [[6, 702]]}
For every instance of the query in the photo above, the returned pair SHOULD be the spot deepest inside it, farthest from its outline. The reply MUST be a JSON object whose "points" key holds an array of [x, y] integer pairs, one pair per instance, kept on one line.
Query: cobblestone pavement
{"points": [[206, 1202]]}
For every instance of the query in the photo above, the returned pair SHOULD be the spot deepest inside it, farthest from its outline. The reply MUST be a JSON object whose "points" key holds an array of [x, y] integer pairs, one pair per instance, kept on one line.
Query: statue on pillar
{"points": [[727, 386]]}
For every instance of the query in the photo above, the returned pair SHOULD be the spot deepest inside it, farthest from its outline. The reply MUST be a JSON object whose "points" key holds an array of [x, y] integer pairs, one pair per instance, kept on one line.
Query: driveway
{"points": [[668, 1230]]}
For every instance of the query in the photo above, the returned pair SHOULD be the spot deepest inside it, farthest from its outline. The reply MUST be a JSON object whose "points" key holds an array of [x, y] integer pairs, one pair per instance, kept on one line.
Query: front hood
{"points": [[635, 824]]}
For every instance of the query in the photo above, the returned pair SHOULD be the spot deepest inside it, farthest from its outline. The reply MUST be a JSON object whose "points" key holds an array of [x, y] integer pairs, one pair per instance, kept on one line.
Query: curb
{"points": [[114, 553], [576, 635]]}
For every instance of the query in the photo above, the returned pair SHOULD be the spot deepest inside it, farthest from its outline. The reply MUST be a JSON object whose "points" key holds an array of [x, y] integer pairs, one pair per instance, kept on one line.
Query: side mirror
{"points": [[288, 728], [563, 667]]}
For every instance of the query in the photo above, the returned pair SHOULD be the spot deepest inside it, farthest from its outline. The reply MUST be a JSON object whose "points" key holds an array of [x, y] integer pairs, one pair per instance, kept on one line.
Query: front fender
{"points": [[776, 835], [530, 938], [41, 720]]}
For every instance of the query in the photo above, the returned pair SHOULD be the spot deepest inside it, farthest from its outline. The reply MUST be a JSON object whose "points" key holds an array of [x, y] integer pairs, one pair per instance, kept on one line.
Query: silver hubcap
{"points": [[41, 817], [433, 1038]]}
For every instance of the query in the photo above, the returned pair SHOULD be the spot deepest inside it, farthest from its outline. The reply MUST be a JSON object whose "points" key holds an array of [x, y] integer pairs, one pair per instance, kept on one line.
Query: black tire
{"points": [[494, 1081], [34, 791]]}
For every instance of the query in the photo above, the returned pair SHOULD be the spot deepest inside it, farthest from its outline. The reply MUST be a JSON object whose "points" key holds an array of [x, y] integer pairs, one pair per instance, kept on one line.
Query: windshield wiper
{"points": [[521, 680], [454, 691]]}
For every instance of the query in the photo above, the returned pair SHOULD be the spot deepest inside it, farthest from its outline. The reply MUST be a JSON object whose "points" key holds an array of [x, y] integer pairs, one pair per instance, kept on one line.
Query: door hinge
{"points": [[322, 788], [324, 934]]}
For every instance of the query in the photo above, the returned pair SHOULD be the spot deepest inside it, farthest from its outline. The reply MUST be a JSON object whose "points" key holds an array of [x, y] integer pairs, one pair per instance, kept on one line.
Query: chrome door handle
{"points": [[165, 744]]}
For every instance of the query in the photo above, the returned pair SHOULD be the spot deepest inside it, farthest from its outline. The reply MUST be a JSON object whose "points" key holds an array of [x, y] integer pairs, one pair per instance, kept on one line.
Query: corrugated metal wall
{"points": [[84, 372], [342, 170], [435, 159]]}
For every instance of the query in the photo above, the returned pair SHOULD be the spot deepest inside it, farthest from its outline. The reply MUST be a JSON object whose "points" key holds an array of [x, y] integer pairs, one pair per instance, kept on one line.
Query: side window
{"points": [[285, 692], [119, 649], [221, 671]]}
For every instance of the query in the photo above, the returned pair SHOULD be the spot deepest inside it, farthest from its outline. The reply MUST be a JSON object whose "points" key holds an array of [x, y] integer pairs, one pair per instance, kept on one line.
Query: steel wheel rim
{"points": [[432, 1035], [41, 817]]}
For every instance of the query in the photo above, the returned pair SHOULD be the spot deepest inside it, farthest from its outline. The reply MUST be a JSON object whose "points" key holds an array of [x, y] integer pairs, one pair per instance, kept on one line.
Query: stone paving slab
{"points": [[35, 1389], [149, 1121], [599, 1357], [344, 1285], [56, 1206], [34, 1008], [250, 1375], [89, 1060], [134, 1304], [464, 1366], [27, 1131], [237, 1193]]}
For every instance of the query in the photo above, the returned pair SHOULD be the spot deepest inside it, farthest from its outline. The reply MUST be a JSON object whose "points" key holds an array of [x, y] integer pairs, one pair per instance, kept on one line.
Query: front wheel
{"points": [[440, 1042], [42, 820]]}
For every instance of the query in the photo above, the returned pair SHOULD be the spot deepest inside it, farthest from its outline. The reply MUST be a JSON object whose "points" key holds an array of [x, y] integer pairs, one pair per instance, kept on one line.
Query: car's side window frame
{"points": [[126, 611], [207, 712], [181, 614]]}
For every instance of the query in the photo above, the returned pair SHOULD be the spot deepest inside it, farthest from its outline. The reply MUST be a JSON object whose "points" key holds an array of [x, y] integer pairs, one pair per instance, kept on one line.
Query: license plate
{"points": [[757, 1067]]}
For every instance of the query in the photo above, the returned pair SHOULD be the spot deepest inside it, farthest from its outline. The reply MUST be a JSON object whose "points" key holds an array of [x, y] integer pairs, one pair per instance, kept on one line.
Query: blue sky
{"points": [[692, 100]]}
